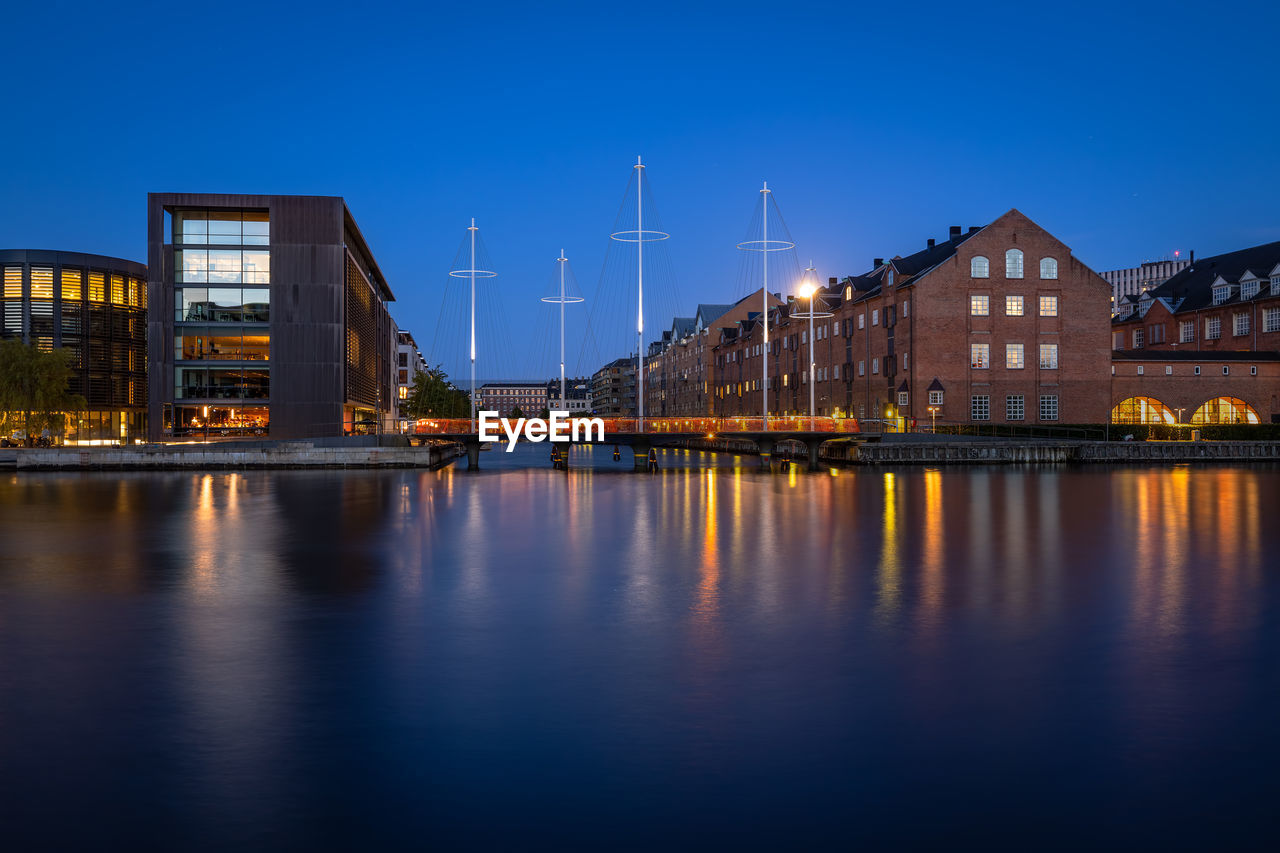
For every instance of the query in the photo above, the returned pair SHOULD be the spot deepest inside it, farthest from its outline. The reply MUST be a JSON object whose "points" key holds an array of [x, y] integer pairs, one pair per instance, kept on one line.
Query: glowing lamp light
{"points": [[807, 289]]}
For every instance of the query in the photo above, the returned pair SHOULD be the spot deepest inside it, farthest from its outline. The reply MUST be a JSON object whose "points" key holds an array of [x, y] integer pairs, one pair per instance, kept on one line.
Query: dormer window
{"points": [[1275, 285], [1249, 289], [848, 293], [979, 267], [1221, 294]]}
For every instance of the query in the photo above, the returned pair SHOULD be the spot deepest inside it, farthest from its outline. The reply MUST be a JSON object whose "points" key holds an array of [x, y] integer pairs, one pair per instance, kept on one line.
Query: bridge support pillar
{"points": [[640, 456], [766, 446], [814, 444], [473, 454]]}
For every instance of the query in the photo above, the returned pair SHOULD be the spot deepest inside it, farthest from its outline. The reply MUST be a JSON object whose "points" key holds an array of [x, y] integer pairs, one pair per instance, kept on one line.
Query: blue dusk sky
{"points": [[1129, 130]]}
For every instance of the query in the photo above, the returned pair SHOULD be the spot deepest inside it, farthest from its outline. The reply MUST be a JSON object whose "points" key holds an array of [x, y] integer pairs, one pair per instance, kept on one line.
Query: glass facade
{"points": [[222, 314]]}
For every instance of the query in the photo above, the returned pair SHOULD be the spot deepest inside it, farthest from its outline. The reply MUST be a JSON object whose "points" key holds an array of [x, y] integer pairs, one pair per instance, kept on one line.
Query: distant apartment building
{"points": [[409, 363], [678, 368], [95, 308], [1134, 281], [1204, 346], [577, 396], [613, 388], [505, 397], [999, 324], [267, 316]]}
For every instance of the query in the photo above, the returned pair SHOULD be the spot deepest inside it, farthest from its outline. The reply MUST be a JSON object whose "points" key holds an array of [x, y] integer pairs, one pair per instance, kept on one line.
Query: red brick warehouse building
{"points": [[1204, 347], [997, 324]]}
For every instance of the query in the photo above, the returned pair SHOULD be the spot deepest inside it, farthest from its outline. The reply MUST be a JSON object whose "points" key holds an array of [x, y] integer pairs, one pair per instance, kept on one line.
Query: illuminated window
{"points": [[42, 283], [1142, 410], [1048, 306], [979, 267], [72, 285], [97, 287], [1013, 306], [13, 282], [979, 305], [848, 292], [1048, 268], [404, 392], [1225, 410], [980, 356], [1013, 359], [1013, 263], [1048, 356], [119, 296]]}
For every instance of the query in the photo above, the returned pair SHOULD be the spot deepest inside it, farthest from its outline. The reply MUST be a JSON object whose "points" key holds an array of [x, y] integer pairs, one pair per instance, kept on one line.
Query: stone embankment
{"points": [[902, 450], [236, 455]]}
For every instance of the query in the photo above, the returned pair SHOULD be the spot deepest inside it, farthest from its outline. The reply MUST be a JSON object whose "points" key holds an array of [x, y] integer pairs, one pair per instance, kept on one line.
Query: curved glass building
{"points": [[95, 307]]}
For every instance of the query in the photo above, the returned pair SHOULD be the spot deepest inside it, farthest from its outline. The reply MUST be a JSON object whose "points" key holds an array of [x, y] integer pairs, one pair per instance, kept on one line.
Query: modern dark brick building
{"points": [[267, 316], [95, 308]]}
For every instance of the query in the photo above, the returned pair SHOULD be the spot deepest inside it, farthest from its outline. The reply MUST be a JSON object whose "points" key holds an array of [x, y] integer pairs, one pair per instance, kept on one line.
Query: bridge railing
{"points": [[707, 426]]}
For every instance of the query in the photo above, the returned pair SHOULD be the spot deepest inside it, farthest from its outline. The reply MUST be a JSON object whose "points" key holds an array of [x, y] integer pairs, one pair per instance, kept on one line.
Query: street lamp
{"points": [[933, 413], [809, 290], [206, 424]]}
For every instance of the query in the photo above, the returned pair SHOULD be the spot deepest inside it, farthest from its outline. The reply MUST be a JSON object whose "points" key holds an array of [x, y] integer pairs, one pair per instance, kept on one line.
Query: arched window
{"points": [[1225, 410], [1013, 263], [1142, 410], [848, 293], [1048, 268], [979, 267], [888, 278]]}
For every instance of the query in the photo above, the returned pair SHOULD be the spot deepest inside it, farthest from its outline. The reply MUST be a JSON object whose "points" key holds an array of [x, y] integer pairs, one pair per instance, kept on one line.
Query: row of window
{"points": [[218, 227], [222, 266], [1014, 306], [1014, 407], [1241, 325], [1168, 370], [222, 305], [235, 383], [980, 356], [74, 285], [980, 267], [1248, 289]]}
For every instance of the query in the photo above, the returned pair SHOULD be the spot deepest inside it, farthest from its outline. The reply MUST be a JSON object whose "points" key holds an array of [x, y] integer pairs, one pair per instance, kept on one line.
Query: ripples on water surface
{"points": [[705, 657]]}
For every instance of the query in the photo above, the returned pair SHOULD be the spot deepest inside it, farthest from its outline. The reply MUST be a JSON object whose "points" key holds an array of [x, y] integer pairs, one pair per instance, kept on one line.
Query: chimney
{"points": [[832, 282], [955, 231], [877, 263], [1192, 258], [931, 242], [973, 229]]}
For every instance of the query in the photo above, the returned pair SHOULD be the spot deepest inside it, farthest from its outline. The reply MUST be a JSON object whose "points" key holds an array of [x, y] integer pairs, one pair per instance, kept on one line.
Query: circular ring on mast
{"points": [[766, 245], [810, 315], [477, 273], [565, 300], [644, 235]]}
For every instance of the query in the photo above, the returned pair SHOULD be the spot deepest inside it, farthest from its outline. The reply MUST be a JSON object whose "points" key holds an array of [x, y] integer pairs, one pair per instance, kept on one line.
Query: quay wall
{"points": [[999, 452], [284, 454]]}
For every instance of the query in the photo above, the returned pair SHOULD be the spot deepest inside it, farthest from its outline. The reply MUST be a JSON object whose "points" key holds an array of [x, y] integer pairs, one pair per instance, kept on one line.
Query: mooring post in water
{"points": [[473, 454]]}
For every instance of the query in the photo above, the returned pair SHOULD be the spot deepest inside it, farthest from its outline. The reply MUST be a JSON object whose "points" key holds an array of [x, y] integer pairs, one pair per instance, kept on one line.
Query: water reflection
{"points": [[709, 637]]}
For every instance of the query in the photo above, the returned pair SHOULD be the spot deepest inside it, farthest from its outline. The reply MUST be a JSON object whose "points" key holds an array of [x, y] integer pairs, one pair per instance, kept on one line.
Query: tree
{"points": [[545, 414], [517, 412], [34, 394], [434, 396]]}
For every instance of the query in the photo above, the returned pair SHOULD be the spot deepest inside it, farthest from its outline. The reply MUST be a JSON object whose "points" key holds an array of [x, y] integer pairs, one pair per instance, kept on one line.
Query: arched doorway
{"points": [[1225, 410], [1142, 410]]}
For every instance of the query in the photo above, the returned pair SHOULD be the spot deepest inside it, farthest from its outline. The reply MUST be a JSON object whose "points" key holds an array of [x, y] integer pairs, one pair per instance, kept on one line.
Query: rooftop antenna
{"points": [[472, 273], [764, 245], [562, 300], [639, 236]]}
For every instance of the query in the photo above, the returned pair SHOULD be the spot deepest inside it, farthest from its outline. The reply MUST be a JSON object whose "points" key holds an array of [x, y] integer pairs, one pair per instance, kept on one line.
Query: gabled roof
{"points": [[929, 258], [1192, 288], [682, 327]]}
